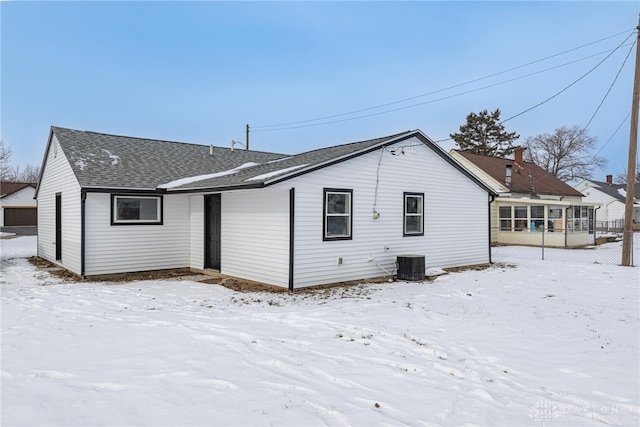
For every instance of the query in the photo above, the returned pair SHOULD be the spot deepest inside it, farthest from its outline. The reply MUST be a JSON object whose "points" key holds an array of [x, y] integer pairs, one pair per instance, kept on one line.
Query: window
{"points": [[413, 214], [582, 218], [505, 218], [136, 210], [520, 214], [537, 218], [337, 214], [554, 216]]}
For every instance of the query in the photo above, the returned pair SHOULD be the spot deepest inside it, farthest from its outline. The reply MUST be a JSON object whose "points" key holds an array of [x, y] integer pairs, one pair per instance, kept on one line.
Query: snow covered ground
{"points": [[533, 343]]}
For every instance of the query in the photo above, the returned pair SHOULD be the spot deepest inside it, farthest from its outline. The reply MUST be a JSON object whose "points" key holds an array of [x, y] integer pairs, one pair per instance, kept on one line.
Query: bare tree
{"points": [[30, 173], [621, 178], [564, 153], [5, 162]]}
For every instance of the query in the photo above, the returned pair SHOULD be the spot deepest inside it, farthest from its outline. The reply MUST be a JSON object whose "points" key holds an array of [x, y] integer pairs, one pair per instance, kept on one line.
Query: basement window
{"points": [[337, 214], [128, 210]]}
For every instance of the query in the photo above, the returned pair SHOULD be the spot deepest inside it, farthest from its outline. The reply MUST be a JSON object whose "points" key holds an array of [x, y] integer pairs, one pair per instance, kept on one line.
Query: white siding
{"points": [[456, 216], [255, 235], [57, 177], [126, 248], [196, 231], [611, 210]]}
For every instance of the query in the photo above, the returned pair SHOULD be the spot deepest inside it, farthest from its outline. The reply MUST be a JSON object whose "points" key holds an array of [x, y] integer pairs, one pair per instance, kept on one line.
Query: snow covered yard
{"points": [[532, 343]]}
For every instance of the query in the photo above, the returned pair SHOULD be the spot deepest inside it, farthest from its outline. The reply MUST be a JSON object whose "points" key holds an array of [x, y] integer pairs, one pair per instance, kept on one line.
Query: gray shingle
{"points": [[612, 190], [111, 161]]}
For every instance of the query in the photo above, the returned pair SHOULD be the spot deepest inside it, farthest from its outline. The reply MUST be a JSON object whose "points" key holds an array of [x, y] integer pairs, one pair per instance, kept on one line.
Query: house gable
{"points": [[103, 162]]}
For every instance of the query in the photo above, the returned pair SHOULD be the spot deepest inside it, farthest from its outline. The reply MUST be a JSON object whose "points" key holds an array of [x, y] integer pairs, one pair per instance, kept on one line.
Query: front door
{"points": [[212, 228], [58, 226]]}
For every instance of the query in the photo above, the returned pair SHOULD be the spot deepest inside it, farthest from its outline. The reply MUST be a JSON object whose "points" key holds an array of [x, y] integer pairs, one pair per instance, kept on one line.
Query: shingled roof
{"points": [[527, 178], [121, 162], [613, 190], [8, 188]]}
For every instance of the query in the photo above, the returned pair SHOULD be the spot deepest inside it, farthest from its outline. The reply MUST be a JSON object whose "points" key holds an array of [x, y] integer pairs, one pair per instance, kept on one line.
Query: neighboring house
{"points": [[18, 205], [613, 199], [113, 204], [531, 200]]}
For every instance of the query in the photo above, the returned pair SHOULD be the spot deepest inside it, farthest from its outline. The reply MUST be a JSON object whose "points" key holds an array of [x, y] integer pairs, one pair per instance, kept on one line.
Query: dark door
{"points": [[212, 227], [58, 226]]}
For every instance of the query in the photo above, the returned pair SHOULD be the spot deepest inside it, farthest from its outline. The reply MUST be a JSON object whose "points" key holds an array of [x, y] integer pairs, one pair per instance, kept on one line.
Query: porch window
{"points": [[537, 218], [413, 214], [505, 218], [554, 216], [520, 215], [337, 214], [136, 210], [581, 218]]}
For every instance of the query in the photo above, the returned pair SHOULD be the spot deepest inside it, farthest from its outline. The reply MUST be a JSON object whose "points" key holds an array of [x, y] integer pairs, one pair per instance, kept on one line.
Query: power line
{"points": [[611, 137], [436, 91], [437, 99], [567, 87], [612, 83]]}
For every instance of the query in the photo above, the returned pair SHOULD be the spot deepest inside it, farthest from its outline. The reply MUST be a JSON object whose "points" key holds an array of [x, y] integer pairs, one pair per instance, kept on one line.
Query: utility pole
{"points": [[627, 236], [246, 146]]}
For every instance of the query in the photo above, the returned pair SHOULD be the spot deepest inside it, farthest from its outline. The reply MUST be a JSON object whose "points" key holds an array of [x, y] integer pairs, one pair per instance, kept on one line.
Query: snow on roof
{"points": [[113, 157], [275, 173], [191, 179]]}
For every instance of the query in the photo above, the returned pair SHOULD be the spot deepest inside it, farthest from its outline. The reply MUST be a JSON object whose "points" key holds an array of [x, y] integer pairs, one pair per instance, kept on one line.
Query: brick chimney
{"points": [[518, 155], [609, 179]]}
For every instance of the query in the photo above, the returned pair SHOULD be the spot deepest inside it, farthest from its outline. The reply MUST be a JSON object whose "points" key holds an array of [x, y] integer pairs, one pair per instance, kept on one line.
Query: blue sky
{"points": [[200, 71]]}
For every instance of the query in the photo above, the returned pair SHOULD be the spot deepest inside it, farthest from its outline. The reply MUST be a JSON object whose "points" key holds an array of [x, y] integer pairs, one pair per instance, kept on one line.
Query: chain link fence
{"points": [[585, 247]]}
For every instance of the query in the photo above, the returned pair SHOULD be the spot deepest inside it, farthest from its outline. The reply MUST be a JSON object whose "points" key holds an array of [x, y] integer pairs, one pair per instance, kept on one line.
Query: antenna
{"points": [[233, 143]]}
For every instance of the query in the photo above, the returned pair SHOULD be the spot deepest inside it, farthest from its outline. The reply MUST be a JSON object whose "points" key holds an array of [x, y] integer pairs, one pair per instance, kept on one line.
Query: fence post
{"points": [[543, 243]]}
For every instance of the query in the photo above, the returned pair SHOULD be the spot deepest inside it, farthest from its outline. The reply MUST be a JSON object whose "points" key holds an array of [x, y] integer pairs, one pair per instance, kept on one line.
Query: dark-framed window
{"points": [[413, 214], [337, 214], [136, 210]]}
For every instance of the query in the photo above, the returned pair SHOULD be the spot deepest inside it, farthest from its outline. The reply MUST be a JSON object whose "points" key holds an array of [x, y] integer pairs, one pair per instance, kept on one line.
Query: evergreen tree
{"points": [[484, 134]]}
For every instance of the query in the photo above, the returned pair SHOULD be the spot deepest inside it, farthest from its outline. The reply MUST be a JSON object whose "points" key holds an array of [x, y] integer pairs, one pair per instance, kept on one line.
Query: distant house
{"points": [[18, 205], [113, 204], [531, 200], [613, 198]]}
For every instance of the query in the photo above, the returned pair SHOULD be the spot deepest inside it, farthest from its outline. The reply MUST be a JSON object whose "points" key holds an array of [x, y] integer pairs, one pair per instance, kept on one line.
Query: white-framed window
{"points": [[413, 214], [520, 218], [136, 210], [337, 214], [581, 218], [506, 217], [537, 218]]}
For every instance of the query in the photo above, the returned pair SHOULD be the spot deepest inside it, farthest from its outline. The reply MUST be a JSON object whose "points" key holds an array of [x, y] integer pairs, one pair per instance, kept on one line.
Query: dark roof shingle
{"points": [[111, 161], [527, 178], [612, 190], [7, 188]]}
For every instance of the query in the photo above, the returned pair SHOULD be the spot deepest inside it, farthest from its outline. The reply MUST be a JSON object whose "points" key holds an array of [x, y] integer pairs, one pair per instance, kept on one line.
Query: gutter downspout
{"points": [[83, 200], [595, 226], [292, 223], [491, 200], [566, 225]]}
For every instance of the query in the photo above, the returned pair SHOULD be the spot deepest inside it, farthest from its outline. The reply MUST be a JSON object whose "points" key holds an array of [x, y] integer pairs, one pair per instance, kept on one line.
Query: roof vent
{"points": [[211, 150]]}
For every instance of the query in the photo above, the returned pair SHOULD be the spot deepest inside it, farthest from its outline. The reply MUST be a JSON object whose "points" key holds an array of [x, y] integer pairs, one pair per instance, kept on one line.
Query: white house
{"points": [[112, 204], [18, 207], [532, 204], [612, 197]]}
